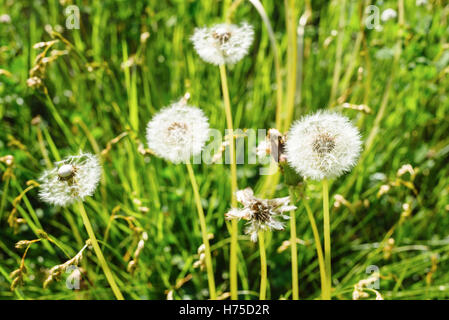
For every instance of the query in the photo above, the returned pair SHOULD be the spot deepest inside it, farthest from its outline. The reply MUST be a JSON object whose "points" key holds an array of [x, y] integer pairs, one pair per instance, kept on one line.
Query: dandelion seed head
{"points": [[178, 132], [223, 43], [72, 179], [262, 214], [323, 145]]}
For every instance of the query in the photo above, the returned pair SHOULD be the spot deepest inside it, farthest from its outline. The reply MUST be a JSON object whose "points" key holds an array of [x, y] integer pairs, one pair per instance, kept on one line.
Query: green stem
{"points": [[294, 251], [5, 192], [327, 240], [319, 249], [277, 60], [263, 267], [338, 54], [234, 226], [291, 62], [199, 207], [98, 252], [57, 116]]}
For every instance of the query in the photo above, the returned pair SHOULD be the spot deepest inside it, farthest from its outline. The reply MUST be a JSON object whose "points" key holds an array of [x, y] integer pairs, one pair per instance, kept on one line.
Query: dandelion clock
{"points": [[223, 43], [226, 44], [323, 146], [72, 179], [70, 182], [176, 133]]}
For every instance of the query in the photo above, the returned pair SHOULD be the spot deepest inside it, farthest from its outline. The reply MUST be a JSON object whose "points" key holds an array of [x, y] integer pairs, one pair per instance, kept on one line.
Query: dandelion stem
{"points": [[327, 240], [234, 226], [263, 266], [199, 207], [319, 249], [294, 251], [98, 252]]}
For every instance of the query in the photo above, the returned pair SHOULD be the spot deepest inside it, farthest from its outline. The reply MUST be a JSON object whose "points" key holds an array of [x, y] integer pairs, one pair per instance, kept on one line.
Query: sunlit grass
{"points": [[100, 95]]}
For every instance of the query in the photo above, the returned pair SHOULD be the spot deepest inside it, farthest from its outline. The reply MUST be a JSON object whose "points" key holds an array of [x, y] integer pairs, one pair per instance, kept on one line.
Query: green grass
{"points": [[400, 73]]}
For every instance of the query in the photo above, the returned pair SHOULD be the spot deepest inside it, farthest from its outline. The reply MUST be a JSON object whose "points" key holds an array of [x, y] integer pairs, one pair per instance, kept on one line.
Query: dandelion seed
{"points": [[223, 43], [73, 179], [262, 214], [323, 145], [388, 14], [178, 132]]}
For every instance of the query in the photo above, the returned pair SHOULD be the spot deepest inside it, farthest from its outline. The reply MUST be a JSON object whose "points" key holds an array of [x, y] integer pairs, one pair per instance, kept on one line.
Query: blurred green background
{"points": [[391, 81]]}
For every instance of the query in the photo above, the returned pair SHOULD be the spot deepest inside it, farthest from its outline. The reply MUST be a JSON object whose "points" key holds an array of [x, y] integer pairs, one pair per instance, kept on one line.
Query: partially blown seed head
{"points": [[262, 214], [72, 179], [178, 132], [323, 145], [223, 43]]}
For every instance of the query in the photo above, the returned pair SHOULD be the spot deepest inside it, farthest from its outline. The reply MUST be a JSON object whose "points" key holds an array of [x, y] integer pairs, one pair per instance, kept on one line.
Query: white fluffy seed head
{"points": [[178, 132], [223, 43], [323, 145], [72, 179]]}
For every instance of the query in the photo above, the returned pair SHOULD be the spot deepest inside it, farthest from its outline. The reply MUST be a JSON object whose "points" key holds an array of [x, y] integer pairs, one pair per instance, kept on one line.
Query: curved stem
{"points": [[319, 249], [263, 267], [234, 226], [199, 207], [327, 240], [98, 252]]}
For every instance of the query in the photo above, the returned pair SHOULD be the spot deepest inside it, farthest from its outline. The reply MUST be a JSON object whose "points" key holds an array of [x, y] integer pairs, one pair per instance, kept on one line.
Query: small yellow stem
{"points": [[263, 267], [327, 240], [98, 252], [199, 207]]}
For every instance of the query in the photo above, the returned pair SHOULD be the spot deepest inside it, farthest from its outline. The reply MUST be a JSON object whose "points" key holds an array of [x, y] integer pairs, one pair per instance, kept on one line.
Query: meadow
{"points": [[93, 84]]}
